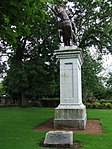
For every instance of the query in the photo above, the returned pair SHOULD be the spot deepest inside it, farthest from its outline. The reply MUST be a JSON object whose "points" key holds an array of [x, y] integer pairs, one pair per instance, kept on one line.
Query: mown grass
{"points": [[16, 128], [98, 141]]}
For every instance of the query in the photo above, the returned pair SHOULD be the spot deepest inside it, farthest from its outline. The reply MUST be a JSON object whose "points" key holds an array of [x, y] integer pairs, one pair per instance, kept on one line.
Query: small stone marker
{"points": [[59, 138]]}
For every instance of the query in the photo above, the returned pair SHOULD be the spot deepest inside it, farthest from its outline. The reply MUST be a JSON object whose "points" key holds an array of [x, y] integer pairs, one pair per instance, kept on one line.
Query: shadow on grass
{"points": [[76, 145]]}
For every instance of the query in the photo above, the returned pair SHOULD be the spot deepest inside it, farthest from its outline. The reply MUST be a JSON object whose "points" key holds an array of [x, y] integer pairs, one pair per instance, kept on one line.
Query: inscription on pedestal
{"points": [[68, 81], [59, 138]]}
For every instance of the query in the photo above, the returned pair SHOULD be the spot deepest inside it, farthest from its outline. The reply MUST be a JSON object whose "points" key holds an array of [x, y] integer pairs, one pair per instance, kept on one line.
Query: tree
{"points": [[93, 28], [109, 87], [109, 81], [93, 23], [31, 36], [91, 82], [16, 17], [29, 75], [2, 92]]}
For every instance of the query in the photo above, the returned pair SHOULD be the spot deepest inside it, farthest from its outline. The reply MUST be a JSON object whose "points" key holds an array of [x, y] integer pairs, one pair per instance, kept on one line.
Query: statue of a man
{"points": [[66, 29]]}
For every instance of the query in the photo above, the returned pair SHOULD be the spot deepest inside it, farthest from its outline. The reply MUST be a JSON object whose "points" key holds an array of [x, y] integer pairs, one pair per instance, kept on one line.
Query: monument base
{"points": [[72, 116]]}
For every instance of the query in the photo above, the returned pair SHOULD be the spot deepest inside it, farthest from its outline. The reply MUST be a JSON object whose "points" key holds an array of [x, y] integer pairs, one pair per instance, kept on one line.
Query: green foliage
{"points": [[2, 91], [108, 105], [93, 23], [96, 105], [99, 104], [29, 76], [33, 80], [91, 83], [16, 18], [108, 93], [29, 29], [109, 82], [105, 101], [88, 105]]}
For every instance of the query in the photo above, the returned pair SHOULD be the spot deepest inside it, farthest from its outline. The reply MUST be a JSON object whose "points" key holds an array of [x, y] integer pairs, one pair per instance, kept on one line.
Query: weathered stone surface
{"points": [[70, 75], [76, 124], [70, 117], [59, 138], [71, 112]]}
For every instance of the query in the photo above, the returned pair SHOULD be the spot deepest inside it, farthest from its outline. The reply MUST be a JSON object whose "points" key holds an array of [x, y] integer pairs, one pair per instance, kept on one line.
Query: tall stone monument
{"points": [[71, 112]]}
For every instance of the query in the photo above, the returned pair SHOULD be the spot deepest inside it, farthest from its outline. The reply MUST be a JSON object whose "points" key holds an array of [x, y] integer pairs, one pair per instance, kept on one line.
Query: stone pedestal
{"points": [[71, 112]]}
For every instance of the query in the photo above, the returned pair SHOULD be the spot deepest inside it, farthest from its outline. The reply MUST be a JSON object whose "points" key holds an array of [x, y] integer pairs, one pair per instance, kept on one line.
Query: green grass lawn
{"points": [[16, 128]]}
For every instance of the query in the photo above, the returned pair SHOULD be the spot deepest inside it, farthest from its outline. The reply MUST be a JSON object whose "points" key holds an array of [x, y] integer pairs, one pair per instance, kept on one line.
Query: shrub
{"points": [[88, 105], [108, 105], [110, 101], [84, 101], [96, 105], [103, 105], [99, 104], [102, 101]]}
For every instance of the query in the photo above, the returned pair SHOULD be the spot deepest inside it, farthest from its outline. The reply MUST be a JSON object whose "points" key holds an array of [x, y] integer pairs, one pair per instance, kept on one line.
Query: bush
{"points": [[88, 105], [110, 101], [108, 105], [105, 101], [96, 105], [99, 104]]}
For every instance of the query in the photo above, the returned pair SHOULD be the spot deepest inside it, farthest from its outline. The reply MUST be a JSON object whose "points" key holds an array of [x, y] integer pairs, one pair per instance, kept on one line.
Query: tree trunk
{"points": [[24, 101]]}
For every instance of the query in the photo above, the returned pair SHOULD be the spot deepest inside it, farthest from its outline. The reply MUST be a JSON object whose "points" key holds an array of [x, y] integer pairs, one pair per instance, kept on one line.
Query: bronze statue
{"points": [[66, 26]]}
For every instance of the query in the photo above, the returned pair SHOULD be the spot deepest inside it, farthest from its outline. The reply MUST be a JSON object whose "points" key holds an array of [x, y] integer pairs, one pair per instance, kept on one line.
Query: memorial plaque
{"points": [[59, 138]]}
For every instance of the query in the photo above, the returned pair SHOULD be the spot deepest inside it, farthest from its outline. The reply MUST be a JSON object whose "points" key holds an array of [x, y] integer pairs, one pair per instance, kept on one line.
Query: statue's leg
{"points": [[65, 43], [68, 42], [60, 34], [64, 40], [67, 35]]}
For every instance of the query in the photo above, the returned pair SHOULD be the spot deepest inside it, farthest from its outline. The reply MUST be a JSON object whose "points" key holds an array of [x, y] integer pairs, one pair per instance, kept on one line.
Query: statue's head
{"points": [[60, 8], [61, 12]]}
